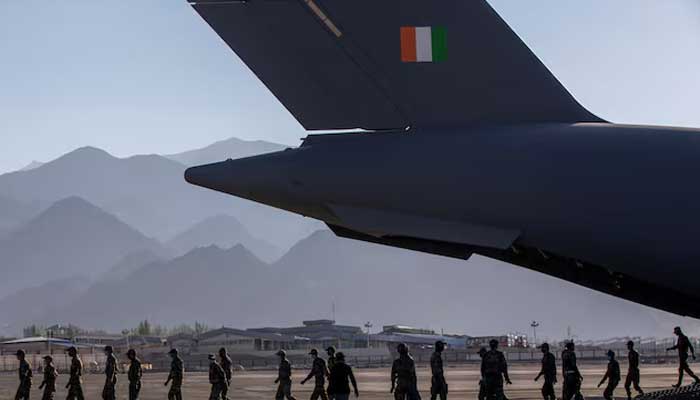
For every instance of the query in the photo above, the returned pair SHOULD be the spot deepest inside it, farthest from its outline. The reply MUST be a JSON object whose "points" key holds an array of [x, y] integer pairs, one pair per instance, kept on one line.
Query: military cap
{"points": [[109, 349], [48, 358], [72, 349], [569, 345], [610, 353], [331, 349], [173, 351], [313, 351], [340, 356], [211, 357], [20, 352], [544, 345], [222, 350], [281, 353], [131, 351]]}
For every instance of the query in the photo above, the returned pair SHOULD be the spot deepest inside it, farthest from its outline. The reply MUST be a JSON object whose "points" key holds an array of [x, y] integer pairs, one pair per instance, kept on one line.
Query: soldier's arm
{"points": [[605, 377], [393, 376], [353, 381]]}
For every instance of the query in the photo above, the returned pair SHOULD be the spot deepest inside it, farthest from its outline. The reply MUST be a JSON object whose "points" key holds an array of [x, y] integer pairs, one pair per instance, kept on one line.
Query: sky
{"points": [[150, 76]]}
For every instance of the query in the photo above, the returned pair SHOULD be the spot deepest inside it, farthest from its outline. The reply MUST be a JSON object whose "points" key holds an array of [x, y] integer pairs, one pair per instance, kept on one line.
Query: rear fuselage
{"points": [[621, 197]]}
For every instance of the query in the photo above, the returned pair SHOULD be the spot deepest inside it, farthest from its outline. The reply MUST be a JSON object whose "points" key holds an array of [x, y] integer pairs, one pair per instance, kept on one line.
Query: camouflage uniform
{"points": [[217, 378], [49, 382], [612, 374], [438, 383], [109, 392], [493, 368], [319, 373], [135, 373], [25, 380], [549, 372], [177, 371], [403, 372], [683, 345], [330, 363], [227, 365], [633, 375], [284, 376], [75, 383], [572, 376]]}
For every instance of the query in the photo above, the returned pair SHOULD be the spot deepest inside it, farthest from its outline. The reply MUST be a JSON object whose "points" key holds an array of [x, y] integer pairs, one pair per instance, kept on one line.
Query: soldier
{"points": [[683, 345], [549, 371], [404, 383], [572, 376], [49, 382], [612, 375], [482, 388], [284, 378], [176, 374], [494, 369], [75, 380], [319, 373], [438, 385], [633, 374], [227, 365], [25, 377], [330, 363], [135, 374], [338, 379], [217, 378], [111, 371]]}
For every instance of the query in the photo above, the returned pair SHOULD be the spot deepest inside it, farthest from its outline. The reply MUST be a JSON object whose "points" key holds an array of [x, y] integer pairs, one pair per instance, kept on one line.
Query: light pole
{"points": [[368, 325], [534, 325], [126, 332]]}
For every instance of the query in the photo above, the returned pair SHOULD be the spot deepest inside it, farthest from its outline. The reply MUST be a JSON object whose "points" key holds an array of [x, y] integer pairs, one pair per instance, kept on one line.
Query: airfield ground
{"points": [[373, 383]]}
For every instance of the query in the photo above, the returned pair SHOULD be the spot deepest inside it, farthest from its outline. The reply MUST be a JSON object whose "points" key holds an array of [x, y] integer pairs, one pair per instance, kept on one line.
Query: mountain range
{"points": [[230, 148], [147, 192]]}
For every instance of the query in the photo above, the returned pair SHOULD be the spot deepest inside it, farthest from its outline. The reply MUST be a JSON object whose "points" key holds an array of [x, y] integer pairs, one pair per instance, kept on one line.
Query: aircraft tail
{"points": [[391, 64]]}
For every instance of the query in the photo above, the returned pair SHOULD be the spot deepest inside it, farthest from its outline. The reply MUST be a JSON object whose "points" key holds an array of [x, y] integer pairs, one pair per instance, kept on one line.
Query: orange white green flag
{"points": [[423, 43]]}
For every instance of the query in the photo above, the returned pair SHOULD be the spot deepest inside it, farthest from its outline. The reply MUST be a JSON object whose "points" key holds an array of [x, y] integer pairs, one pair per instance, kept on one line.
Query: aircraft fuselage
{"points": [[620, 200]]}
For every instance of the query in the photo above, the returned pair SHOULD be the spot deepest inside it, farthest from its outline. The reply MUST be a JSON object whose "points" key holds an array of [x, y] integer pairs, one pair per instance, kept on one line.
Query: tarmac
{"points": [[373, 383]]}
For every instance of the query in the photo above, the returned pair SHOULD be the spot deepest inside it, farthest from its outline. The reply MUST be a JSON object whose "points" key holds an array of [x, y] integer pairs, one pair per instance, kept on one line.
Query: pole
{"points": [[368, 325], [534, 326]]}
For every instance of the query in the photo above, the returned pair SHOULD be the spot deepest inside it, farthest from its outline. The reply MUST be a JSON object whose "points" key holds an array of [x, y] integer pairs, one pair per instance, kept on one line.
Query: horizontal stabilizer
{"points": [[390, 64], [381, 223]]}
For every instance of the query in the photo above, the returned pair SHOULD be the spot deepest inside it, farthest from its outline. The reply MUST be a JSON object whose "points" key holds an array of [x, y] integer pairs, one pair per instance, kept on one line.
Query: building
{"points": [[416, 338], [41, 345], [322, 333], [235, 341], [515, 340]]}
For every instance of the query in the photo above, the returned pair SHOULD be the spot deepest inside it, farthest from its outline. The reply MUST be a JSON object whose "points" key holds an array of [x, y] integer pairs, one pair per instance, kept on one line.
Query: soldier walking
{"points": [[612, 375], [633, 375], [227, 365], [683, 345], [494, 369], [111, 371], [404, 383], [340, 374], [438, 385], [319, 372], [49, 382], [177, 371], [135, 373], [284, 378], [482, 387], [75, 379], [217, 378], [25, 376], [549, 371], [572, 376], [330, 351]]}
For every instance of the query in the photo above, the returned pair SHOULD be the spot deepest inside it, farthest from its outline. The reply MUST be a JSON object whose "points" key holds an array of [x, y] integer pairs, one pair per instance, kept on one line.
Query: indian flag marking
{"points": [[423, 43]]}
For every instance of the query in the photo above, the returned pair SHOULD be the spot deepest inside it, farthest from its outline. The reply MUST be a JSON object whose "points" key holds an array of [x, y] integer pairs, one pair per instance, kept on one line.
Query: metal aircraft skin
{"points": [[476, 149]]}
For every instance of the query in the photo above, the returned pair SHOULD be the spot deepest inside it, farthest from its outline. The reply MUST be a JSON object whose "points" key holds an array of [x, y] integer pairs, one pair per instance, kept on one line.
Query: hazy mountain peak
{"points": [[223, 149], [32, 165]]}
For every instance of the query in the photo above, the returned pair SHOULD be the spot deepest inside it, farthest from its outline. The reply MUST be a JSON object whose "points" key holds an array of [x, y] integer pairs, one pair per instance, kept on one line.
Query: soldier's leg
{"points": [[690, 372], [324, 395], [288, 391], [628, 385], [224, 390]]}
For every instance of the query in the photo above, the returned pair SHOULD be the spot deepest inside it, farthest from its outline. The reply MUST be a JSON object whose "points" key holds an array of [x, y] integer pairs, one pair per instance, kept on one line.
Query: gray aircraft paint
{"points": [[500, 160]]}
